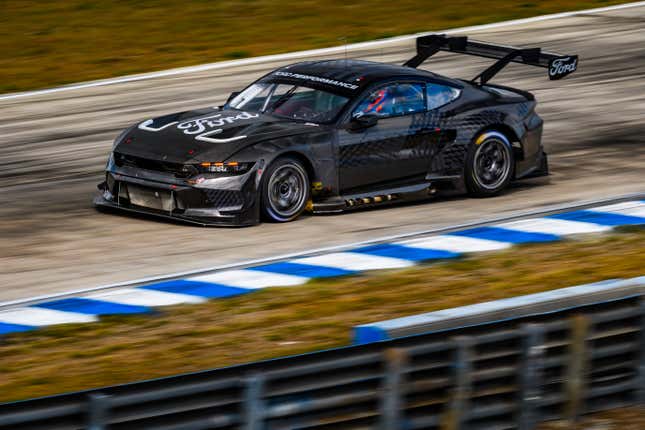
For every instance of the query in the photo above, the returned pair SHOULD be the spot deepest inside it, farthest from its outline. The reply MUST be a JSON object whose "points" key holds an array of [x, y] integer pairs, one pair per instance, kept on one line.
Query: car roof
{"points": [[357, 73]]}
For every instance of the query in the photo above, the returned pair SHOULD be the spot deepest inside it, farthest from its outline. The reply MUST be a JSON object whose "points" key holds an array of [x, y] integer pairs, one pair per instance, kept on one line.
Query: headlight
{"points": [[230, 167]]}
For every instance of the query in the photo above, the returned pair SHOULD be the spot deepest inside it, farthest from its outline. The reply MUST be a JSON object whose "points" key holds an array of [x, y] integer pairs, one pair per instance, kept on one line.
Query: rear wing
{"points": [[558, 65]]}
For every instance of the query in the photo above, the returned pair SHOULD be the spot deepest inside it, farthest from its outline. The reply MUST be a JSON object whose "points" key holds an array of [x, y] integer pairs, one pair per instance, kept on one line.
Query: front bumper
{"points": [[223, 201]]}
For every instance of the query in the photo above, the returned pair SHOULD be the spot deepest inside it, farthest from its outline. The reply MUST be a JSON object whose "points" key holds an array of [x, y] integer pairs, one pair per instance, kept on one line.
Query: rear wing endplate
{"points": [[558, 65]]}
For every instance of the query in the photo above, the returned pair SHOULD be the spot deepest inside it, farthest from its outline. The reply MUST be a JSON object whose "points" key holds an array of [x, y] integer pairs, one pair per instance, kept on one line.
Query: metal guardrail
{"points": [[504, 309], [504, 375]]}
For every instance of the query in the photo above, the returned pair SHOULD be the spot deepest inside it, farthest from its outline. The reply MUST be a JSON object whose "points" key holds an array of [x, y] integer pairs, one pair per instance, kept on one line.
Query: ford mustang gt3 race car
{"points": [[336, 135]]}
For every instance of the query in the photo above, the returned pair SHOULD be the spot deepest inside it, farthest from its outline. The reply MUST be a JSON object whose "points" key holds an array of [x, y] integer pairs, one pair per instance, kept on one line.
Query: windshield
{"points": [[289, 101]]}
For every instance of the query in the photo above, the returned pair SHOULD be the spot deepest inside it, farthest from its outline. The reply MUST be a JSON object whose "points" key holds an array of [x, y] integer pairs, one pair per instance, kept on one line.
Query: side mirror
{"points": [[363, 121], [232, 96]]}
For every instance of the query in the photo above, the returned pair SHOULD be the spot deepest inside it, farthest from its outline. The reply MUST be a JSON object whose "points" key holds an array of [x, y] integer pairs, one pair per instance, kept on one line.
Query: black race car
{"points": [[336, 135]]}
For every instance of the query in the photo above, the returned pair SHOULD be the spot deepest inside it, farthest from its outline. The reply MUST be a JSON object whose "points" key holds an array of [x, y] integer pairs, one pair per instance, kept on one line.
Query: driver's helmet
{"points": [[380, 102]]}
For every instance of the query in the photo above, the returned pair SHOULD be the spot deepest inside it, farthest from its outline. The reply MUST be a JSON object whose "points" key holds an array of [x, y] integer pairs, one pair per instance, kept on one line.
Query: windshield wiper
{"points": [[283, 98]]}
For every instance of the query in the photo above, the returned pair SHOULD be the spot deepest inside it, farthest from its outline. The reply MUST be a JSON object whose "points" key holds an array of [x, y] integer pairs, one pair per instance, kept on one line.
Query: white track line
{"points": [[308, 53], [633, 208], [354, 261], [457, 244], [251, 279], [558, 227], [143, 297], [33, 316]]}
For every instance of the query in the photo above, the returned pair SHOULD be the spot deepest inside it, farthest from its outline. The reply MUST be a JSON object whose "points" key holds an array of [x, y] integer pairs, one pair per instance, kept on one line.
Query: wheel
{"points": [[285, 190], [489, 164]]}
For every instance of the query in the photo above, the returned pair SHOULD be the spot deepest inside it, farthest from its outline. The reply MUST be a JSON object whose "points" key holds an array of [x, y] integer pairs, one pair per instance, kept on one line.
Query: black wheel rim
{"points": [[287, 190], [492, 163]]}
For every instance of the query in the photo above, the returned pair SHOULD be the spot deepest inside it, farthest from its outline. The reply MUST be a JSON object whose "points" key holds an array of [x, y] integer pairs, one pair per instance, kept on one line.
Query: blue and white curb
{"points": [[395, 254]]}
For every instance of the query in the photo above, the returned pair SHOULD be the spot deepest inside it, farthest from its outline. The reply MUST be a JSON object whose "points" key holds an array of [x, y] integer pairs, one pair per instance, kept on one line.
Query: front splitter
{"points": [[231, 221]]}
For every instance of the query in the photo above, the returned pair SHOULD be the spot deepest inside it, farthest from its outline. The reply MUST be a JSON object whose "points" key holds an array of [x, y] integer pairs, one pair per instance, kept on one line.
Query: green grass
{"points": [[282, 321], [44, 44]]}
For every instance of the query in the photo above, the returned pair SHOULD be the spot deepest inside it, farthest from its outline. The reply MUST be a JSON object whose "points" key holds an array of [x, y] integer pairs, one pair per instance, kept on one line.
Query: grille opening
{"points": [[177, 169]]}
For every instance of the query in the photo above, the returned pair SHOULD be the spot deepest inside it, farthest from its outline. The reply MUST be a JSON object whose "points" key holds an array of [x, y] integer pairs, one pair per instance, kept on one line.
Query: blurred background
{"points": [[46, 44], [53, 148]]}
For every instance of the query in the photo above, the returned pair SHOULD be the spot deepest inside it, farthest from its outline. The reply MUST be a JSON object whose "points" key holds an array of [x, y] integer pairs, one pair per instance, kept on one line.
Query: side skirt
{"points": [[375, 198]]}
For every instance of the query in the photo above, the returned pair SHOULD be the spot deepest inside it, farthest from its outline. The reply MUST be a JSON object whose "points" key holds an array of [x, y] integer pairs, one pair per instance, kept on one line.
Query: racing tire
{"points": [[285, 190], [489, 165]]}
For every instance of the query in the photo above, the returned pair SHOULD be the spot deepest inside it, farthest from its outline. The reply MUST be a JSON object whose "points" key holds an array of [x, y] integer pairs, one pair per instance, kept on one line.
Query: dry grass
{"points": [[281, 321], [51, 43], [617, 419]]}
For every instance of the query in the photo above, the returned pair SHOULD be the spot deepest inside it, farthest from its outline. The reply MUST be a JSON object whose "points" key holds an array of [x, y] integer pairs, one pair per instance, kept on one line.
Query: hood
{"points": [[204, 135]]}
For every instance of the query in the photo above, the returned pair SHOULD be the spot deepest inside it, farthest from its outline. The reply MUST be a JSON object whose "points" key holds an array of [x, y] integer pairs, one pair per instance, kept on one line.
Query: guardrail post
{"points": [[577, 368], [253, 403], [531, 369], [392, 392], [640, 391], [458, 406], [97, 411]]}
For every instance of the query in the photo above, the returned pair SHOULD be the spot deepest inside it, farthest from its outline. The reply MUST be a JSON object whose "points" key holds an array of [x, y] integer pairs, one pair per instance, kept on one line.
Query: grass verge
{"points": [[44, 44], [281, 321]]}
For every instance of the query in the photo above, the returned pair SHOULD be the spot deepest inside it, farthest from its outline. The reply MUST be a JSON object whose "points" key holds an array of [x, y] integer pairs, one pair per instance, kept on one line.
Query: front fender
{"points": [[315, 149]]}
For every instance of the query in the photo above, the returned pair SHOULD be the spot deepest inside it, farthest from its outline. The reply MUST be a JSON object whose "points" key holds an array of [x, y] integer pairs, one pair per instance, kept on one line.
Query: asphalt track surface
{"points": [[53, 148]]}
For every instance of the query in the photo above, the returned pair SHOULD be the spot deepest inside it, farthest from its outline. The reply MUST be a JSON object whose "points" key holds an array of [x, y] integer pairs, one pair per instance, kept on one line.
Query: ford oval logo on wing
{"points": [[562, 66]]}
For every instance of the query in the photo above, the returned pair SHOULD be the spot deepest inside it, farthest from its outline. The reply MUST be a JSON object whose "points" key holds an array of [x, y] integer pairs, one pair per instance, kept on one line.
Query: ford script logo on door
{"points": [[562, 66]]}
